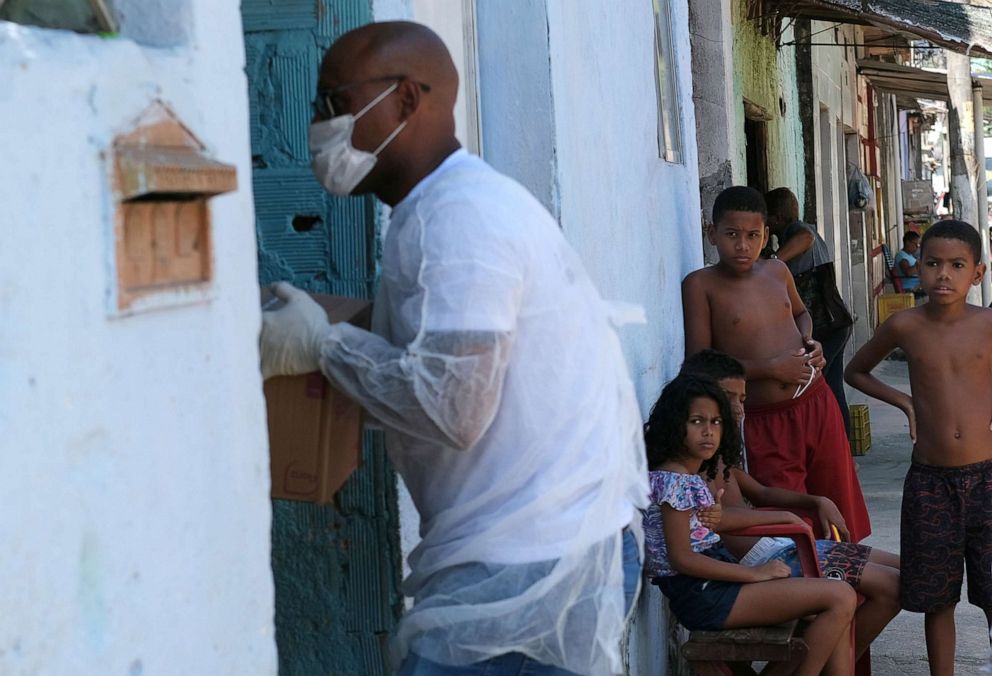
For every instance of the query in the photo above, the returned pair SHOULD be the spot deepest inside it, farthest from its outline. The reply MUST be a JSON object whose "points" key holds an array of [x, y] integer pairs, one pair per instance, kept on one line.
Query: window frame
{"points": [[670, 136]]}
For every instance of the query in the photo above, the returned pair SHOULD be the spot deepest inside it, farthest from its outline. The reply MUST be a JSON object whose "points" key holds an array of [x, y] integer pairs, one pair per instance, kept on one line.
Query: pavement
{"points": [[901, 648]]}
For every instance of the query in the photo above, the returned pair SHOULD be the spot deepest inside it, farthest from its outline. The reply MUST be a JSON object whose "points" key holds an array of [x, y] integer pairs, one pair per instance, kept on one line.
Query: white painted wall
{"points": [[836, 92], [634, 218], [134, 467]]}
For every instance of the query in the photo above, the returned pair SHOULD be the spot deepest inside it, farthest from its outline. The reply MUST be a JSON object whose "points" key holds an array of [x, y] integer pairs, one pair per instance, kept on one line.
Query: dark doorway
{"points": [[756, 138]]}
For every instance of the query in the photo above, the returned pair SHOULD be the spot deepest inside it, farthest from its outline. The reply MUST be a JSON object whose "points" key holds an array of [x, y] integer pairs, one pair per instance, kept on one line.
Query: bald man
{"points": [[494, 370]]}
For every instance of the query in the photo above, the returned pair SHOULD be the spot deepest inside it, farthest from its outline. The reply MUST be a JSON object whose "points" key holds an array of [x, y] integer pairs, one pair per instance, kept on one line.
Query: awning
{"points": [[956, 26], [916, 82]]}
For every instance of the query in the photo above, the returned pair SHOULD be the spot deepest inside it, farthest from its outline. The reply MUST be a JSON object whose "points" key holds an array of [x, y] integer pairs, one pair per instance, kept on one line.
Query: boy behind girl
{"points": [[750, 309], [947, 496]]}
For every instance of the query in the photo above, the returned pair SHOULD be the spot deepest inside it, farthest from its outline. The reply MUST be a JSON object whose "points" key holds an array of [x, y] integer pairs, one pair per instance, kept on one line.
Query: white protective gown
{"points": [[510, 414]]}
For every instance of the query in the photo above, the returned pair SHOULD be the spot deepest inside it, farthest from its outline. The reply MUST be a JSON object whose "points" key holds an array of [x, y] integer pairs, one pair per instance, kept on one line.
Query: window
{"points": [[669, 132]]}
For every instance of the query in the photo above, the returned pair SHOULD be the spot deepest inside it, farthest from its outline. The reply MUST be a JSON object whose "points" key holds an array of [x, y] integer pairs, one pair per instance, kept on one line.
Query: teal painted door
{"points": [[336, 568]]}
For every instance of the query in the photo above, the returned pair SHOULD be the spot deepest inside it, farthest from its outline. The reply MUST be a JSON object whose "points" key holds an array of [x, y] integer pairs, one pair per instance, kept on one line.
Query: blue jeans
{"points": [[518, 664]]}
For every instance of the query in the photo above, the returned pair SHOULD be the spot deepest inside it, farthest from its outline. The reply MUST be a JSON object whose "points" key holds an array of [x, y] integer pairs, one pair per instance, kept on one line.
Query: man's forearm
{"points": [[805, 324], [781, 497], [797, 244], [445, 390]]}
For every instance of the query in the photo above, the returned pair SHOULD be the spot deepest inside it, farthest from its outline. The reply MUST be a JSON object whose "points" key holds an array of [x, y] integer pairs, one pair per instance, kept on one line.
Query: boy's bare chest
{"points": [[960, 355], [756, 304]]}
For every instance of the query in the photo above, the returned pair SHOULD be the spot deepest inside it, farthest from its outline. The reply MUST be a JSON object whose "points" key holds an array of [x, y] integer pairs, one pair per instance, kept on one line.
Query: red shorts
{"points": [[801, 445]]}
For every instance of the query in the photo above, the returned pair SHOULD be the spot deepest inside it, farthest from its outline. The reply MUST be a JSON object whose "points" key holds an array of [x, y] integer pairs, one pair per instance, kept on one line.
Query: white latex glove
{"points": [[292, 335]]}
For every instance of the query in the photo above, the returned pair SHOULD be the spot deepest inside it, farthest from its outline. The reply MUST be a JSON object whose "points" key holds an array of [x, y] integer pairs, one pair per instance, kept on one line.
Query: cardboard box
{"points": [[315, 431], [890, 303]]}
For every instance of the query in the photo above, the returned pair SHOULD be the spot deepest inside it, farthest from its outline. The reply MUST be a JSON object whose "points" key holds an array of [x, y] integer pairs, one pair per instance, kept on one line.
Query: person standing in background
{"points": [[802, 249], [907, 266]]}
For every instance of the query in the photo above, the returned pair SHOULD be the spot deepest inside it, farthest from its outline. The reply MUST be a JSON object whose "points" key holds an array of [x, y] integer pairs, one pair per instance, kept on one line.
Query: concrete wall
{"points": [[835, 87], [135, 463], [766, 77], [632, 216], [716, 105]]}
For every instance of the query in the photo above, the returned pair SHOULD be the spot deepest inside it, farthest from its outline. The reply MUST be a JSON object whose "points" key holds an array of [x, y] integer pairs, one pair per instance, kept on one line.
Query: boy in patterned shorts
{"points": [[947, 497]]}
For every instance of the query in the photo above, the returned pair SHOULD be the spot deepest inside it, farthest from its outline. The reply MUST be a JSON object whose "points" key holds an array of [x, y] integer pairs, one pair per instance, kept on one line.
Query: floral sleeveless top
{"points": [[683, 492]]}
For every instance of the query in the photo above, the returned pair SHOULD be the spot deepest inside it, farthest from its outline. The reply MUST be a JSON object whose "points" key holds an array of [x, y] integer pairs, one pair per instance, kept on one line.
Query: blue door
{"points": [[336, 568]]}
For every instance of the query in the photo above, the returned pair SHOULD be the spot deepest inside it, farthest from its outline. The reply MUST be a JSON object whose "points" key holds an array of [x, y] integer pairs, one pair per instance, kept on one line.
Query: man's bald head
{"points": [[364, 64], [393, 48]]}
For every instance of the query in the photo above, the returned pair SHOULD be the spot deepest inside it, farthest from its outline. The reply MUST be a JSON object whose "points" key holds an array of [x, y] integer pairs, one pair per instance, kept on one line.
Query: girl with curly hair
{"points": [[690, 430]]}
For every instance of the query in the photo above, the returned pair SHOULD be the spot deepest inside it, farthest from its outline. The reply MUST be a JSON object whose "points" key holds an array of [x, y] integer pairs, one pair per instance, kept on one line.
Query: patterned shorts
{"points": [[838, 560], [946, 521]]}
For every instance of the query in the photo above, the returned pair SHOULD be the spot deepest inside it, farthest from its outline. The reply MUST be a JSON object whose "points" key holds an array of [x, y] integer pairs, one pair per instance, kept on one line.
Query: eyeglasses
{"points": [[324, 107]]}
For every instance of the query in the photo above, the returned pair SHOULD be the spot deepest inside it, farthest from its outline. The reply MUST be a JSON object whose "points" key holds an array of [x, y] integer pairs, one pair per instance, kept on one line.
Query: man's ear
{"points": [[408, 95], [710, 230]]}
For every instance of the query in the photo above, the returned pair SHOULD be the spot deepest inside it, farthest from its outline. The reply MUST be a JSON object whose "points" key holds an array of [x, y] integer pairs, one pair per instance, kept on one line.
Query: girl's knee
{"points": [[843, 598]]}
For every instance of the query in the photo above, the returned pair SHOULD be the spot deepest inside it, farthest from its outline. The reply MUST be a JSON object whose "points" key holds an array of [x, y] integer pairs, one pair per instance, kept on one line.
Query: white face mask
{"points": [[336, 163]]}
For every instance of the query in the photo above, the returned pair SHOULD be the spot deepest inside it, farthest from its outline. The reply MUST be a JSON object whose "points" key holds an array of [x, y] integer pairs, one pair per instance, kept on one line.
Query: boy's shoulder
{"points": [[915, 326], [907, 317], [701, 275], [911, 317], [910, 322], [772, 266]]}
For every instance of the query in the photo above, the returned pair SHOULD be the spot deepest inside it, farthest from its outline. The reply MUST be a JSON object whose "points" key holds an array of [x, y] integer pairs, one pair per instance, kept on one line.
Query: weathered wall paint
{"points": [[716, 106], [336, 567], [135, 465], [763, 75]]}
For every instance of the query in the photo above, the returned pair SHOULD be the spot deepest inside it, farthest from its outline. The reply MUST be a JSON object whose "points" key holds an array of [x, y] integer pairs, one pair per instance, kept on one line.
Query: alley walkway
{"points": [[901, 648]]}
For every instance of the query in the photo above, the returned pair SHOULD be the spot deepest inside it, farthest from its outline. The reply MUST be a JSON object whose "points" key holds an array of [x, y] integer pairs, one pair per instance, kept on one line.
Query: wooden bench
{"points": [[733, 650]]}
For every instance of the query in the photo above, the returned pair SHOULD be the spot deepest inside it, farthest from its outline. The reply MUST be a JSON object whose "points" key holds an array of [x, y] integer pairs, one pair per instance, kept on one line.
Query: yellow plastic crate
{"points": [[890, 303], [860, 429]]}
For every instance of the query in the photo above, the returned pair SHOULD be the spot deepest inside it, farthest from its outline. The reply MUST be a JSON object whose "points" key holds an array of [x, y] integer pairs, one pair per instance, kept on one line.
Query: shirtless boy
{"points": [[947, 497], [873, 572], [749, 308]]}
